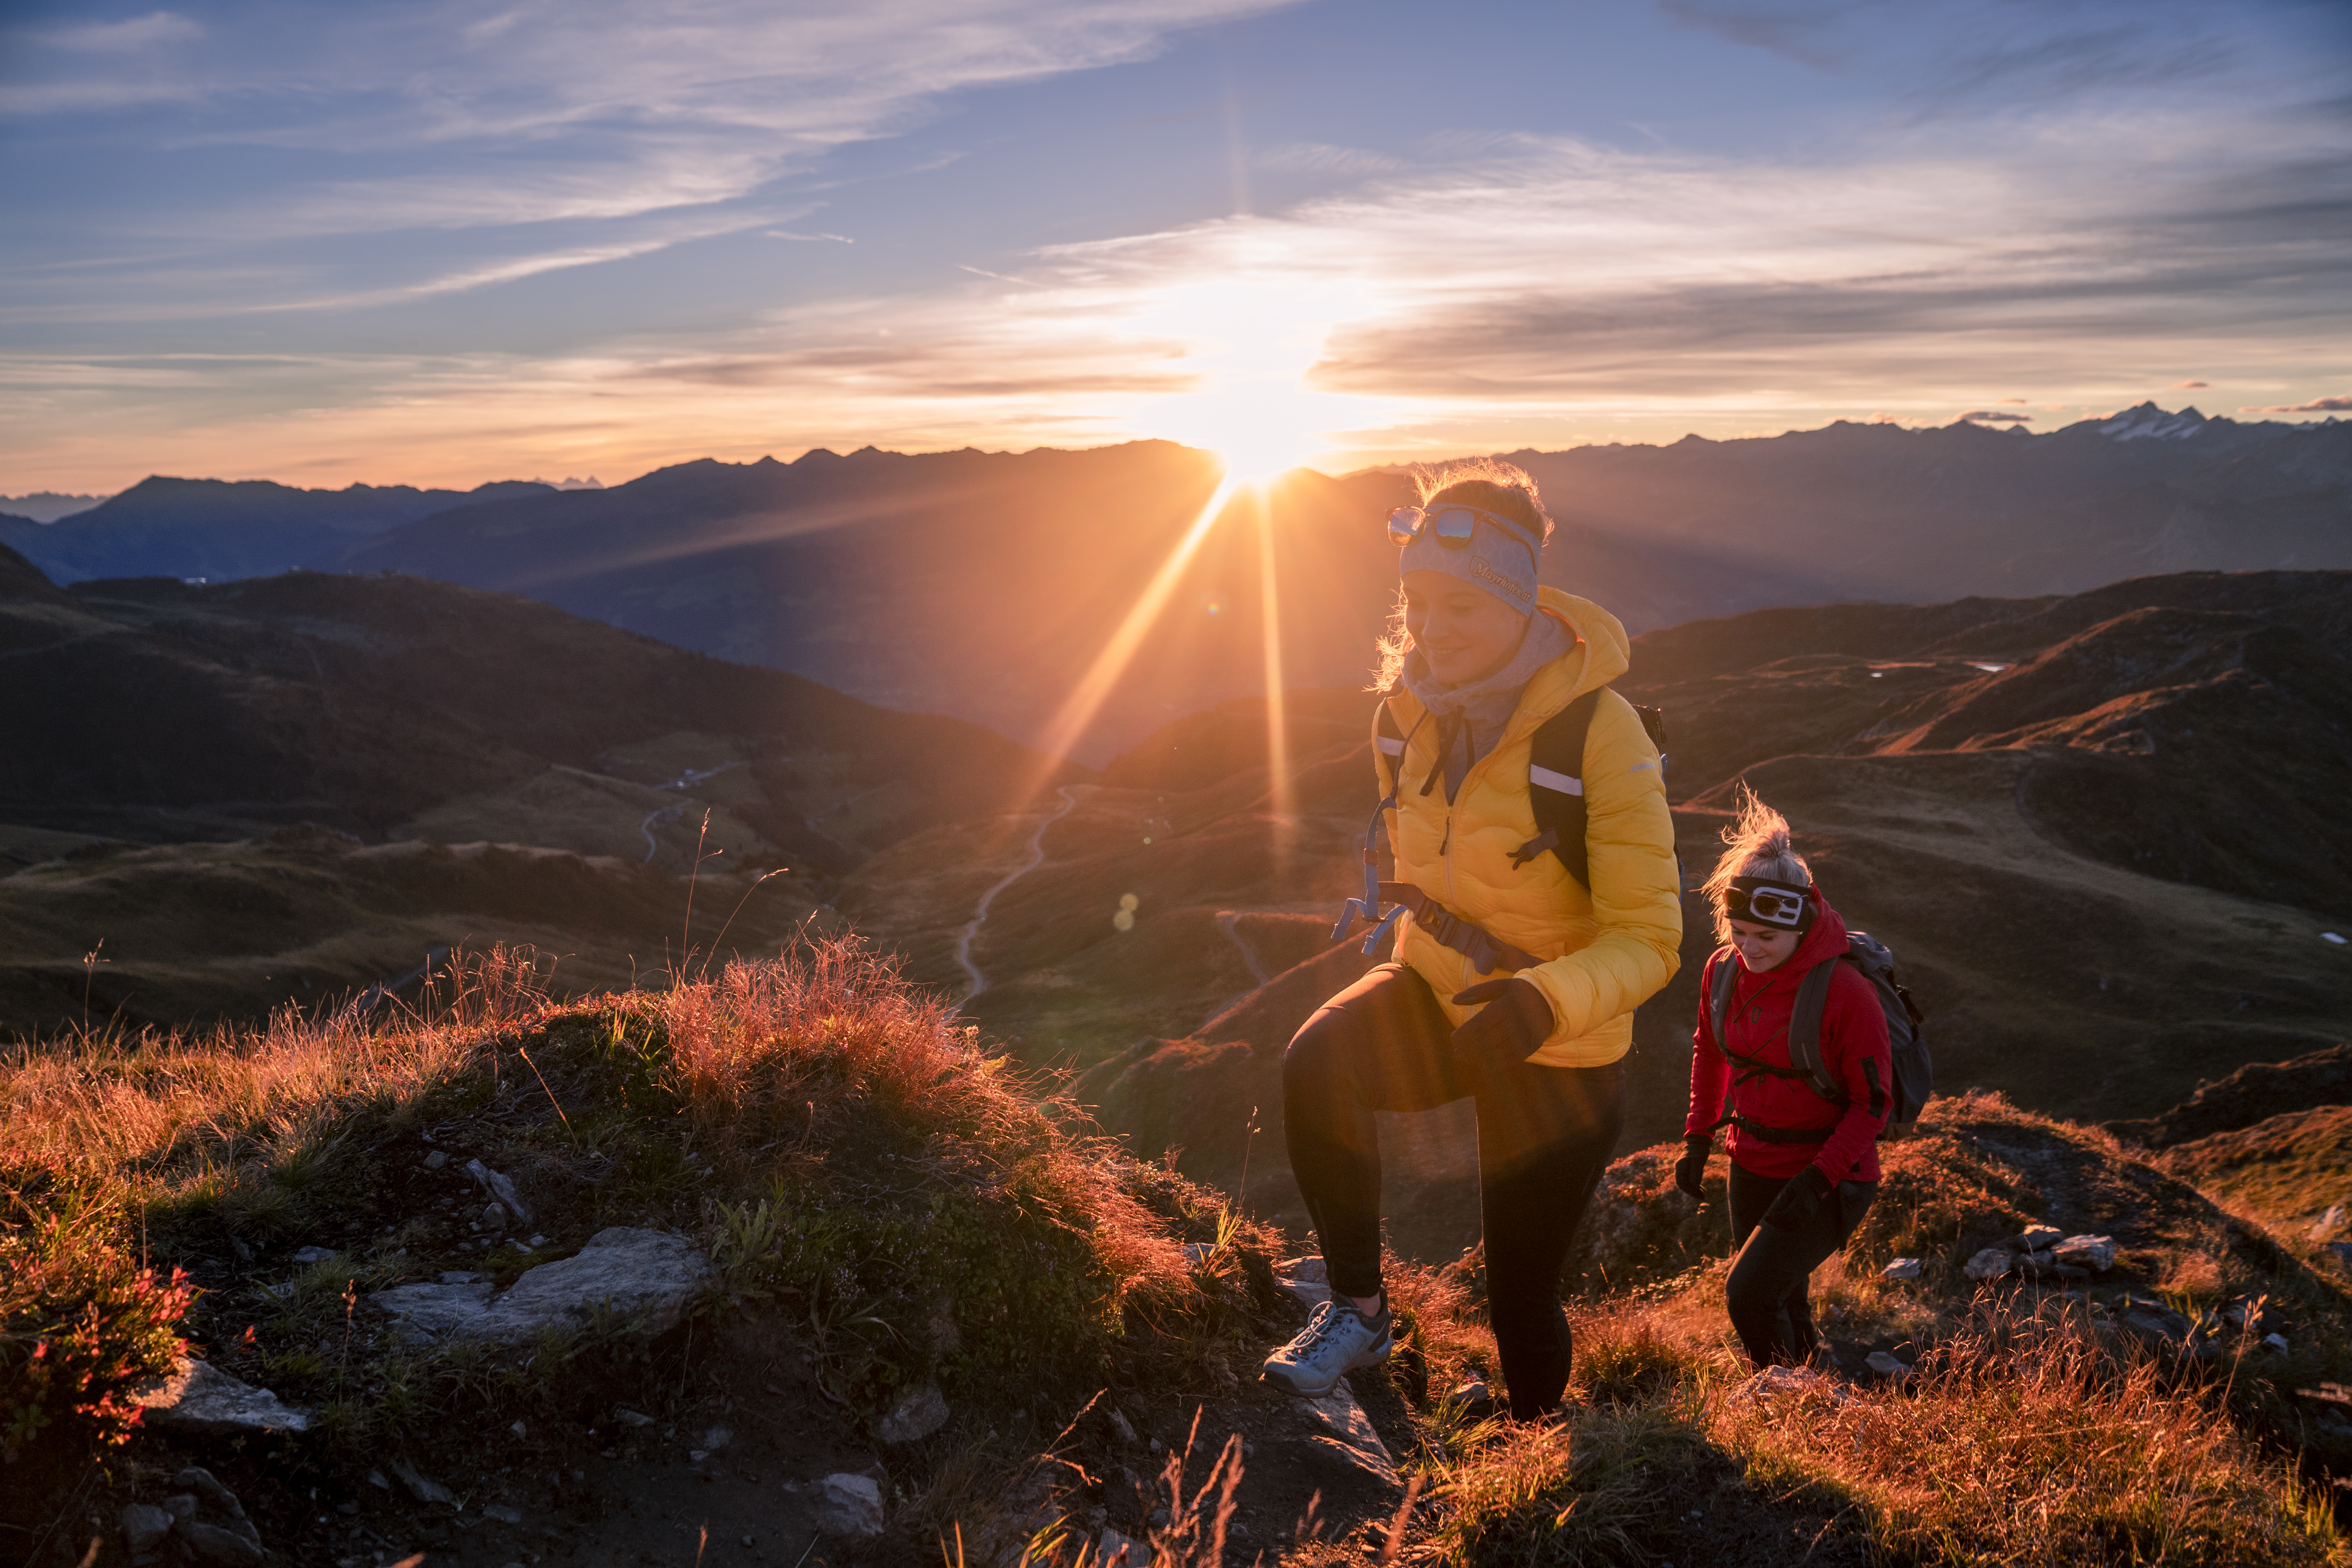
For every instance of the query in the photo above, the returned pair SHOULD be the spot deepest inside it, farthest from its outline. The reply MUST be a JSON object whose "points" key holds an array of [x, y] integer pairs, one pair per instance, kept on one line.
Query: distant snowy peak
{"points": [[2150, 421]]}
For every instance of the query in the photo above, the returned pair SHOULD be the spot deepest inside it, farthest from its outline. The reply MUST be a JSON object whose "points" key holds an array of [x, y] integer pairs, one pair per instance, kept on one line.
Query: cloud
{"points": [[2190, 385], [137, 33], [2317, 406], [2019, 400], [1316, 158], [1988, 416], [788, 234]]}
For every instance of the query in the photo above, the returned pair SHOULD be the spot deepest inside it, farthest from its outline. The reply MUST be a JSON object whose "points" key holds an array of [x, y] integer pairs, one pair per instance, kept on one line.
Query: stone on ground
{"points": [[2096, 1253], [919, 1412], [143, 1525], [198, 1397], [1990, 1264], [1343, 1420], [647, 1276], [849, 1505], [1885, 1365], [1903, 1269]]}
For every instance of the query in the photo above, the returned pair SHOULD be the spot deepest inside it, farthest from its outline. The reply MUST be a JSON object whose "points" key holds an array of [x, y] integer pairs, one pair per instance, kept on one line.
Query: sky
{"points": [[435, 243]]}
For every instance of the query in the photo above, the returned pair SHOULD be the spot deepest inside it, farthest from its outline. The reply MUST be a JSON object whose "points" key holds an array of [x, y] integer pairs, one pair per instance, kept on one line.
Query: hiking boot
{"points": [[1336, 1341]]}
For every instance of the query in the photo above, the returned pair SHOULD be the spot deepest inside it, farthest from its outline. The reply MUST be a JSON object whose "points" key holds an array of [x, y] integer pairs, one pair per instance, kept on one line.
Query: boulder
{"points": [[2096, 1253], [211, 1524], [2153, 1320], [1989, 1263], [1887, 1366], [849, 1505], [1902, 1268], [198, 1397], [645, 1275], [919, 1412], [1343, 1421], [144, 1526], [2038, 1238]]}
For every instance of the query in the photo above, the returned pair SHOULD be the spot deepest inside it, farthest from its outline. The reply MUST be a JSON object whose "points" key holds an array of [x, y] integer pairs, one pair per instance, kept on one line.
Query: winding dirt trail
{"points": [[1226, 920], [979, 910]]}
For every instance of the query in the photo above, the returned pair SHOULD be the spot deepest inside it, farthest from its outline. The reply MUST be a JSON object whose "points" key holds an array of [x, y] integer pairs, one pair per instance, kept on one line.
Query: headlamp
{"points": [[1768, 903]]}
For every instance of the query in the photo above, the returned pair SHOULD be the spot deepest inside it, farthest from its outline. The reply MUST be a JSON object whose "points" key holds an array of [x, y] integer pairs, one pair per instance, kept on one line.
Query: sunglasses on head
{"points": [[1451, 525]]}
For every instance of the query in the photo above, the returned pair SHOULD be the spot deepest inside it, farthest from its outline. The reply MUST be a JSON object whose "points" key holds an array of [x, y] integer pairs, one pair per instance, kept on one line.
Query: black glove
{"points": [[1799, 1201], [1690, 1171], [1515, 1019]]}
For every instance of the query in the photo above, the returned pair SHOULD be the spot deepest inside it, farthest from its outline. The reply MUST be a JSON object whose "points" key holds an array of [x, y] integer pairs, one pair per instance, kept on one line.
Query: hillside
{"points": [[784, 1265], [2097, 913], [216, 530], [168, 737]]}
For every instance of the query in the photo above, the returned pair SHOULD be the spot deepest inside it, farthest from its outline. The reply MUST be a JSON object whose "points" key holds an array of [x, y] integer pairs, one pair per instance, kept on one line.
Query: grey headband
{"points": [[1499, 558]]}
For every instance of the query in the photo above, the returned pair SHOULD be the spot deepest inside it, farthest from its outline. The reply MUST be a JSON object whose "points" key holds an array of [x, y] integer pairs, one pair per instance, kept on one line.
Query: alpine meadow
{"points": [[1216, 784]]}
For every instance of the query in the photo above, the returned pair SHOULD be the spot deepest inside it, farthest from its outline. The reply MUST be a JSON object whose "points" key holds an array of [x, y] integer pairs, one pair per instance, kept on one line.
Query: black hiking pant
{"points": [[1545, 1134], [1767, 1292]]}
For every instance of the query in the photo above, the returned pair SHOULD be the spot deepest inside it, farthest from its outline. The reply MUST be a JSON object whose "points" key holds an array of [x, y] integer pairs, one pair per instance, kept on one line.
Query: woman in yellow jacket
{"points": [[1514, 982]]}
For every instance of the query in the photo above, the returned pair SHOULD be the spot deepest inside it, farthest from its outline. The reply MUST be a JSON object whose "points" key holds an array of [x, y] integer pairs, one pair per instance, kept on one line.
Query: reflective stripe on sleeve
{"points": [[1562, 782]]}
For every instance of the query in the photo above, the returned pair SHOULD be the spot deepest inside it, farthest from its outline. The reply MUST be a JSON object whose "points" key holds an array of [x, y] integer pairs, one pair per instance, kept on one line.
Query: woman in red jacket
{"points": [[1803, 1167]]}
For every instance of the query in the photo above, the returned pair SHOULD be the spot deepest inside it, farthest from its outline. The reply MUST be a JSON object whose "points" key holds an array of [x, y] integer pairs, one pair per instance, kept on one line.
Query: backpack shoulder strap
{"points": [[1556, 787], [1719, 992], [1387, 745], [1805, 1028]]}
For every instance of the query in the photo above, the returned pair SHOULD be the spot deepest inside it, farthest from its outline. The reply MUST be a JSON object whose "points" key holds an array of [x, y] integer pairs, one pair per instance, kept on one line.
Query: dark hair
{"points": [[1503, 489]]}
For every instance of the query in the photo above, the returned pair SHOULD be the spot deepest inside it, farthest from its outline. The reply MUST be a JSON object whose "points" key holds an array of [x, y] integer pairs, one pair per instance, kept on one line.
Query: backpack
{"points": [[1915, 1072], [1554, 796], [1555, 778]]}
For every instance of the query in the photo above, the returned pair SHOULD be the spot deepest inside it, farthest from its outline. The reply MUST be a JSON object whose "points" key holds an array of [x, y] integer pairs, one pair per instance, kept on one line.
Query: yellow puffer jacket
{"points": [[1605, 951]]}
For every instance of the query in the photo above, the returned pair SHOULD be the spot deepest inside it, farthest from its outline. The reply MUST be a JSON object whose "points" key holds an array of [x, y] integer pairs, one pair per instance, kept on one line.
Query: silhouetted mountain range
{"points": [[219, 529], [984, 585]]}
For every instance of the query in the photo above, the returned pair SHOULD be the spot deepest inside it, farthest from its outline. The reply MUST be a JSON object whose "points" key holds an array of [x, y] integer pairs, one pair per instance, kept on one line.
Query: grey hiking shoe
{"points": [[1336, 1341]]}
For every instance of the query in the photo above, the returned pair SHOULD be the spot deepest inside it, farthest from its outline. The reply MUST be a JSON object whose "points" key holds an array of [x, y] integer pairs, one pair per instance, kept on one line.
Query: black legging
{"points": [[1766, 1294], [1544, 1136]]}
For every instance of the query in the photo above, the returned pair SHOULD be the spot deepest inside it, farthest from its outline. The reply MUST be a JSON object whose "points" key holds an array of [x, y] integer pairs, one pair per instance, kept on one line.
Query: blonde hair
{"points": [[1488, 483], [1755, 846]]}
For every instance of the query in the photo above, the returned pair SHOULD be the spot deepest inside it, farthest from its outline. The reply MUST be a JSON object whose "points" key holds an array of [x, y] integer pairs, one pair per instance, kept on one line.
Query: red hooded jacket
{"points": [[1853, 1052]]}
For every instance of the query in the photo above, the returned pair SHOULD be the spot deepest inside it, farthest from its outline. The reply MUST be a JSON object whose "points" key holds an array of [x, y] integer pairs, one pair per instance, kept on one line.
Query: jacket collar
{"points": [[1603, 652]]}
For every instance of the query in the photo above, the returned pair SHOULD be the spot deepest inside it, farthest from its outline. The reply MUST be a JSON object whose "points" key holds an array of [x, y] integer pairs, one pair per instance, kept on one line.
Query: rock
{"points": [[211, 1522], [144, 1526], [420, 1489], [1473, 1398], [1903, 1269], [715, 1438], [919, 1412], [2328, 1223], [1122, 1428], [849, 1505], [499, 1187], [1197, 1253], [452, 1310], [1113, 1550], [502, 1513], [1310, 1270], [2096, 1253], [2274, 1342], [313, 1255], [1344, 1420], [222, 1547], [645, 1276], [2153, 1320], [199, 1398], [1887, 1366], [1989, 1263], [2038, 1238], [436, 1160], [623, 1414], [377, 1480], [494, 1215], [458, 1277]]}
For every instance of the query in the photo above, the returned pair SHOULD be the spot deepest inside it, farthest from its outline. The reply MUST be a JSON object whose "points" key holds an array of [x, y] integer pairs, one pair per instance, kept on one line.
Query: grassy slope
{"points": [[888, 1206]]}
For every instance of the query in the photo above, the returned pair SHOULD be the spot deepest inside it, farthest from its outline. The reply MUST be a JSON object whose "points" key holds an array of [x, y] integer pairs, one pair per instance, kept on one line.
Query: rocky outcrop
{"points": [[643, 1278], [199, 1398]]}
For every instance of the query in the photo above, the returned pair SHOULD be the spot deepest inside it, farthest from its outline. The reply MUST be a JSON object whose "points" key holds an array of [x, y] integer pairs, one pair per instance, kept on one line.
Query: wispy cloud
{"points": [[2338, 404], [146, 32]]}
